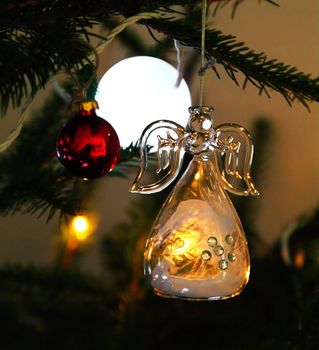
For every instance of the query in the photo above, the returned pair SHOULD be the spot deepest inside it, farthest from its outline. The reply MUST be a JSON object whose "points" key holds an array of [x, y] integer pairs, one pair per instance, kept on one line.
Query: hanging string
{"points": [[202, 63], [180, 67]]}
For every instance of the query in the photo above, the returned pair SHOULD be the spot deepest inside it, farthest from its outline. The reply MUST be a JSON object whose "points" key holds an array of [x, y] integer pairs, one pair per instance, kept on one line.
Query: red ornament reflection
{"points": [[88, 145]]}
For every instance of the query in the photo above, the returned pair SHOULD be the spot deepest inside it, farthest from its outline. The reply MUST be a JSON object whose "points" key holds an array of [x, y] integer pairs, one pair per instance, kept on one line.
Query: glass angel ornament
{"points": [[197, 248]]}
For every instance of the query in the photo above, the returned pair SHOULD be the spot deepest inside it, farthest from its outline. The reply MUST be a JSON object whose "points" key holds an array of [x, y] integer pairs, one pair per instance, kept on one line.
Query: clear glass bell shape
{"points": [[197, 248]]}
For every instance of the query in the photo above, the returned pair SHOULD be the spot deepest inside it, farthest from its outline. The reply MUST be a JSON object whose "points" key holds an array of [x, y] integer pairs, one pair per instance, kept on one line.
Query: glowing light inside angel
{"points": [[139, 90]]}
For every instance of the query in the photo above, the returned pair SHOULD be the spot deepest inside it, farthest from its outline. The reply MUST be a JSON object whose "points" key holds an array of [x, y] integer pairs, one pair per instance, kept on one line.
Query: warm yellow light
{"points": [[80, 223], [183, 241], [80, 228], [197, 176], [299, 258], [182, 249]]}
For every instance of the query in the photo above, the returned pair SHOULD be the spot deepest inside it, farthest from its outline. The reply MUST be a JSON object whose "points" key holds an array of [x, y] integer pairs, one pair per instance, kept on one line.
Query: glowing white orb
{"points": [[139, 90]]}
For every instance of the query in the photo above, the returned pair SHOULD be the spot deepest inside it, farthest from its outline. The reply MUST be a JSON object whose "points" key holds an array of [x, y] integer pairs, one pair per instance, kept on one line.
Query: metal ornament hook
{"points": [[82, 87]]}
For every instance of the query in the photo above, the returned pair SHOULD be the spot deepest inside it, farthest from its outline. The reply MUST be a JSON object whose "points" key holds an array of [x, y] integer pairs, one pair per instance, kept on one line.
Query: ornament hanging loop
{"points": [[82, 87]]}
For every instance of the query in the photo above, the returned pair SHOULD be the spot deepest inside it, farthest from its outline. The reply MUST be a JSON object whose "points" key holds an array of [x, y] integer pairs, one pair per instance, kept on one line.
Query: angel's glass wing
{"points": [[234, 159], [170, 152]]}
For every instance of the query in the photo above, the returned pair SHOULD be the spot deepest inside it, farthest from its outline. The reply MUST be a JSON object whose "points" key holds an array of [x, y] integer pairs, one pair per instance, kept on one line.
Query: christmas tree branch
{"points": [[39, 39], [29, 59], [235, 56], [235, 4]]}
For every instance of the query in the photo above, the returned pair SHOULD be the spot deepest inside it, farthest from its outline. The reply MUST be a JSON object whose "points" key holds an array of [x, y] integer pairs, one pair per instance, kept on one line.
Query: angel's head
{"points": [[201, 119]]}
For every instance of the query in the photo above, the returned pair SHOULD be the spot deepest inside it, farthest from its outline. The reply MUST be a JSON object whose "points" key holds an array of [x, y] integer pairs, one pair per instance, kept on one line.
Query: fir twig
{"points": [[236, 56], [235, 4], [37, 39]]}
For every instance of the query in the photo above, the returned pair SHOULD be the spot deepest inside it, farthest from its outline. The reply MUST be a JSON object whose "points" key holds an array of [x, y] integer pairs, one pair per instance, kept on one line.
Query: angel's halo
{"points": [[138, 91]]}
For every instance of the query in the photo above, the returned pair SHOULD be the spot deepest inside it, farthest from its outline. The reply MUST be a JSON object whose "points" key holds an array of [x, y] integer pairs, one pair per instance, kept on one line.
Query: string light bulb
{"points": [[77, 232], [80, 228]]}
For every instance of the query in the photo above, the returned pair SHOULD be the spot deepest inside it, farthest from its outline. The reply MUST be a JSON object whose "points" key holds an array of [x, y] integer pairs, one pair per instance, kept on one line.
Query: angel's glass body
{"points": [[197, 248]]}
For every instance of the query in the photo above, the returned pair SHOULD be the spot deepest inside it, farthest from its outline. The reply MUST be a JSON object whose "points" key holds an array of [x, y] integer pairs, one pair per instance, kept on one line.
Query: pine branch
{"points": [[235, 4], [235, 56], [38, 39], [136, 44], [30, 59], [22, 191]]}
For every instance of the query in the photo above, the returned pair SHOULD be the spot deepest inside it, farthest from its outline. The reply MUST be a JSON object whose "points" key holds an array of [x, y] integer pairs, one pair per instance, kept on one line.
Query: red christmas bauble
{"points": [[88, 145]]}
